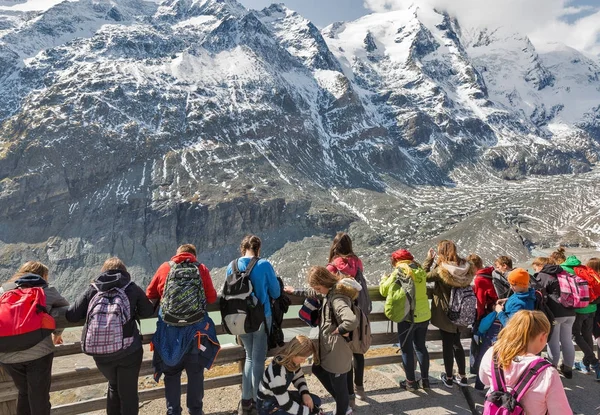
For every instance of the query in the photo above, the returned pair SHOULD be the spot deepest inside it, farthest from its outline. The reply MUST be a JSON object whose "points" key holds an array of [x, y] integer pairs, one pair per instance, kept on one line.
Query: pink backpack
{"points": [[574, 290], [503, 402]]}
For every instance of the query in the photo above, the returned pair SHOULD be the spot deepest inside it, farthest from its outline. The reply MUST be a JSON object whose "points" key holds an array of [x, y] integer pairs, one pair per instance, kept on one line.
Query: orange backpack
{"points": [[593, 279]]}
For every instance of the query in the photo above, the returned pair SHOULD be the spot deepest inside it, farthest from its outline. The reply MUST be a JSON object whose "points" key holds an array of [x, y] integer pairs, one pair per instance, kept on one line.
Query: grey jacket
{"points": [[46, 346], [334, 350]]}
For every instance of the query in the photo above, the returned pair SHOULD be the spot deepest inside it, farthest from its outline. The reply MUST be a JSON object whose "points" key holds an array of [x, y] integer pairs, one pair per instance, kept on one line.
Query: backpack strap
{"points": [[529, 376], [498, 382], [249, 268]]}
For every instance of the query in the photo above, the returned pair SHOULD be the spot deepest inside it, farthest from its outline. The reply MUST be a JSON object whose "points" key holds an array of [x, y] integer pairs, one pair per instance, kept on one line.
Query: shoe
{"points": [[462, 381], [447, 382], [244, 408], [409, 385], [583, 368], [359, 391], [352, 402], [567, 373], [425, 383]]}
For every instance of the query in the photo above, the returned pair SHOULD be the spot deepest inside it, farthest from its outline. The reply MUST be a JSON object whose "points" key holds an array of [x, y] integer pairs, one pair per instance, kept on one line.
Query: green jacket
{"points": [[568, 266], [391, 291]]}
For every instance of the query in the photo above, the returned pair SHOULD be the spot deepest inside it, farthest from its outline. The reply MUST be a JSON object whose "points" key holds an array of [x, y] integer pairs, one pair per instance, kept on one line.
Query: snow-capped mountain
{"points": [[129, 126]]}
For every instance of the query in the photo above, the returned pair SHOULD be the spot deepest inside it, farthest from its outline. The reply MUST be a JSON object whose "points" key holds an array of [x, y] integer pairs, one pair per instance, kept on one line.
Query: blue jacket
{"points": [[171, 344], [264, 281], [516, 302]]}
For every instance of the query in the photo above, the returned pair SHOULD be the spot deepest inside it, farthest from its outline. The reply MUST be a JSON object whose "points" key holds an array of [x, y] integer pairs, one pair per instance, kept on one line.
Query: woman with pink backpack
{"points": [[520, 381]]}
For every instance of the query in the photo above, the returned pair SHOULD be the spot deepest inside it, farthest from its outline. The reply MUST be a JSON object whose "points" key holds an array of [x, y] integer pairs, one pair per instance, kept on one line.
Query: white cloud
{"points": [[543, 20]]}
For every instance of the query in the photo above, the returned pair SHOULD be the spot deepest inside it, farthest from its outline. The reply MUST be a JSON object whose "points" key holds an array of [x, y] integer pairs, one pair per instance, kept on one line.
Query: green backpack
{"points": [[399, 292]]}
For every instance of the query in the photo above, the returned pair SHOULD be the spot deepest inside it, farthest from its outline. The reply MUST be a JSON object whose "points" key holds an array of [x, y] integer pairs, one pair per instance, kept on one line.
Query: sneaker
{"points": [[462, 381], [352, 402], [583, 368], [567, 373], [359, 391], [349, 411], [596, 369], [245, 407], [425, 383], [447, 382], [409, 385]]}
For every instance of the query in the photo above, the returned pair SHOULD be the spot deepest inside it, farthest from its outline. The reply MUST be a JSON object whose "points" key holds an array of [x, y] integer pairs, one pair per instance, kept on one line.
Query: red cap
{"points": [[402, 255]]}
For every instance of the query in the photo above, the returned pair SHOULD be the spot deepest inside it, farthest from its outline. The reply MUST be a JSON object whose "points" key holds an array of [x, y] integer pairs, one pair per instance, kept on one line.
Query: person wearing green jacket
{"points": [[583, 326], [411, 311]]}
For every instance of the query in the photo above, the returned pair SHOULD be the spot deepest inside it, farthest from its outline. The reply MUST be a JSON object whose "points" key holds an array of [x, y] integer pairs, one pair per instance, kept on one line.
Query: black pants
{"points": [[336, 385], [357, 373], [412, 339], [582, 332], [122, 375], [32, 379], [452, 349]]}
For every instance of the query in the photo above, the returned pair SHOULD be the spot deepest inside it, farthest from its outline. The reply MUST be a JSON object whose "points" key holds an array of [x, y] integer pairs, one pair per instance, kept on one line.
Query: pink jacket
{"points": [[545, 395], [346, 266]]}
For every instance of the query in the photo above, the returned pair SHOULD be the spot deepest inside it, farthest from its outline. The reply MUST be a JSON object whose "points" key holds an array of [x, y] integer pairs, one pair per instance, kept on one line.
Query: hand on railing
{"points": [[289, 289]]}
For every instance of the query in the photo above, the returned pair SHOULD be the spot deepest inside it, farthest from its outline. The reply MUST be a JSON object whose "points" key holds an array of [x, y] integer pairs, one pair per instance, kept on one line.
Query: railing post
{"points": [[8, 407]]}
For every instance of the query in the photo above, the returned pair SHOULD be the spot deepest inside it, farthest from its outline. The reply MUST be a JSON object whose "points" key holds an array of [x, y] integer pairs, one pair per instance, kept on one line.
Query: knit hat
{"points": [[519, 277], [402, 255]]}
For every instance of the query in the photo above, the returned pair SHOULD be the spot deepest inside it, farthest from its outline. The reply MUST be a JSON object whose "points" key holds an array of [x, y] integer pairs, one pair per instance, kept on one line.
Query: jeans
{"points": [[255, 345], [122, 375], [357, 373], [337, 386], [194, 368], [412, 340], [32, 379], [452, 349], [582, 333], [561, 336], [270, 407]]}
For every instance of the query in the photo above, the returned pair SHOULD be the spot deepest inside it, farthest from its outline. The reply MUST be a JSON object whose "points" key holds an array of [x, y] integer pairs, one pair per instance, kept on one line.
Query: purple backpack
{"points": [[503, 402], [107, 312]]}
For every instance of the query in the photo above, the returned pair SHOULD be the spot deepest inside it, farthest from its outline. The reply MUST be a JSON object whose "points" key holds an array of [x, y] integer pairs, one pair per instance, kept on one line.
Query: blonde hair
{"points": [[321, 276], [31, 267], [515, 337], [113, 263], [558, 256], [298, 346], [476, 261], [541, 260], [594, 263], [447, 252]]}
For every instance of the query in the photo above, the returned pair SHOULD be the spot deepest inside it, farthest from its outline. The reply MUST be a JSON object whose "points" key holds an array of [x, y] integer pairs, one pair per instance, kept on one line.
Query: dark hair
{"points": [[31, 267], [187, 248], [113, 263], [341, 246], [558, 256], [594, 263], [476, 261], [250, 242], [504, 260]]}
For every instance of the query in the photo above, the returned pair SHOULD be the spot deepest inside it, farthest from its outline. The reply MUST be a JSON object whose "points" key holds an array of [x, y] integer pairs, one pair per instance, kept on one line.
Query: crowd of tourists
{"points": [[511, 314]]}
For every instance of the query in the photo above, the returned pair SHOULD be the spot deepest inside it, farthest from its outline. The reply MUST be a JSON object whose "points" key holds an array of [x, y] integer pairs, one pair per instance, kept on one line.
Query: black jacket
{"points": [[547, 281], [141, 307]]}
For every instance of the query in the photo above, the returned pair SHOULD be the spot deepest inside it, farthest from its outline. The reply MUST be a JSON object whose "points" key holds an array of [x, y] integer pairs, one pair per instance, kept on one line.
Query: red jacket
{"points": [[157, 285], [345, 265], [485, 292]]}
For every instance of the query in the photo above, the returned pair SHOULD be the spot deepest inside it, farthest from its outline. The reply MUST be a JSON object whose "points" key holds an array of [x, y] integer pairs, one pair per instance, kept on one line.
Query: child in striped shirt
{"points": [[273, 395]]}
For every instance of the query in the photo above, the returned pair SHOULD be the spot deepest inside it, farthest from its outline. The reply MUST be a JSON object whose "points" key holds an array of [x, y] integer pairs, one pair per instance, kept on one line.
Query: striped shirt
{"points": [[274, 386]]}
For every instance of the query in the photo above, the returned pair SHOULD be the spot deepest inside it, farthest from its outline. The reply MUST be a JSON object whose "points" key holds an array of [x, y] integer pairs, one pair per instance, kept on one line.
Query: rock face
{"points": [[128, 127]]}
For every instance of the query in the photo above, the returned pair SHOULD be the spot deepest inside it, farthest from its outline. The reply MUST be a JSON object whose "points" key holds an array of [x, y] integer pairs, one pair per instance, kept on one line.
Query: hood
{"points": [[571, 262], [485, 272], [345, 265], [31, 280], [185, 256], [551, 269], [111, 279], [456, 275], [527, 295], [348, 287]]}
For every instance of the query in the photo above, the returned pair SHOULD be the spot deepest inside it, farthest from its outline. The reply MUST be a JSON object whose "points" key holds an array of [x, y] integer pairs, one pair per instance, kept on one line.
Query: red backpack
{"points": [[24, 321], [593, 280]]}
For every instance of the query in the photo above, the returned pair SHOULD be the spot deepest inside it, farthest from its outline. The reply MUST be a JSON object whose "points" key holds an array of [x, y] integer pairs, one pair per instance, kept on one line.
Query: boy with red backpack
{"points": [[110, 306], [26, 349]]}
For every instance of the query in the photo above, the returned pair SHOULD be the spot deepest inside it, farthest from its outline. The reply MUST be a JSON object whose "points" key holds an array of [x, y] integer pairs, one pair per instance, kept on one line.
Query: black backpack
{"points": [[279, 307], [241, 311], [363, 300], [184, 300]]}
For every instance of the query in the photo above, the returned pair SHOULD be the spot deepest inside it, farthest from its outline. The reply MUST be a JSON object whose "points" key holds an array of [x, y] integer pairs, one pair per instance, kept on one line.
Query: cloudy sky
{"points": [[575, 22]]}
